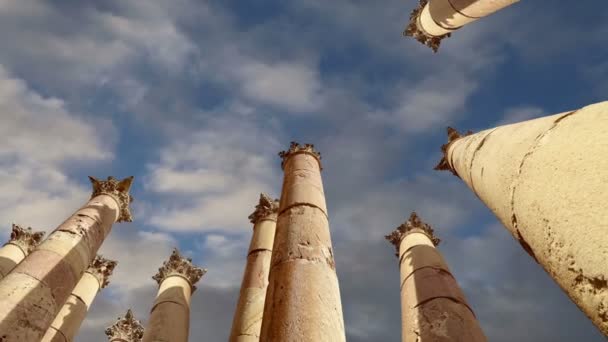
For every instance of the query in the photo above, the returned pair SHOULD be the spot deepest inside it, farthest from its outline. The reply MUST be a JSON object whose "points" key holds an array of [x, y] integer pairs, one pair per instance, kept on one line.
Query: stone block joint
{"points": [[414, 222], [126, 329], [444, 164], [119, 190], [177, 265], [25, 238], [296, 148], [265, 208]]}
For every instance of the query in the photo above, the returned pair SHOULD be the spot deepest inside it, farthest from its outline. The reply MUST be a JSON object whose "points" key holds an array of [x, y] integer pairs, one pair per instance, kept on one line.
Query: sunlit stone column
{"points": [[247, 321], [21, 244], [433, 307], [126, 329], [170, 314], [32, 294], [434, 20], [303, 298], [67, 323], [547, 181]]}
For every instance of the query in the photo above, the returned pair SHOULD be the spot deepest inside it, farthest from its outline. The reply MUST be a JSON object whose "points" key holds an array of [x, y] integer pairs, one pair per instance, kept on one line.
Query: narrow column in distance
{"points": [[22, 242], [126, 329]]}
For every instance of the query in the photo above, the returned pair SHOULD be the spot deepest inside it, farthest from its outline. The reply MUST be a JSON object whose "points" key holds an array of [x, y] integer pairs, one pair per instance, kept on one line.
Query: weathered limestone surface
{"points": [[126, 329], [170, 314], [67, 323], [247, 321], [22, 242], [303, 297], [546, 180], [34, 292], [434, 20], [432, 304]]}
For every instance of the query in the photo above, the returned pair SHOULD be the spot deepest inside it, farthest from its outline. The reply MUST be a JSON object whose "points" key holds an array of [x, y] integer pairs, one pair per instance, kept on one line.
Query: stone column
{"points": [[247, 321], [67, 323], [547, 181], [126, 329], [434, 20], [433, 307], [34, 292], [170, 314], [21, 244], [303, 298]]}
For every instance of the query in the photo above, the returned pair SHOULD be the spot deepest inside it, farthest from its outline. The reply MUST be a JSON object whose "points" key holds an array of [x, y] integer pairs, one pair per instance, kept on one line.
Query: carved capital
{"points": [[126, 329], [265, 207], [444, 164], [296, 148], [414, 222], [25, 238], [102, 269], [177, 265], [119, 190], [413, 29]]}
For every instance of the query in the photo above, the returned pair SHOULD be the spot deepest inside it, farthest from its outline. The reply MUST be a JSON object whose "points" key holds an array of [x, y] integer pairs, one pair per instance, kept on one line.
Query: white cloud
{"points": [[521, 113]]}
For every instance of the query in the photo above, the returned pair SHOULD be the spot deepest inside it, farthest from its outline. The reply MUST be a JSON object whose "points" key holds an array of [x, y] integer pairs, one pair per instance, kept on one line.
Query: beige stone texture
{"points": [[263, 235], [414, 239], [67, 322], [10, 256], [421, 256], [546, 181], [302, 183], [439, 17], [170, 315]]}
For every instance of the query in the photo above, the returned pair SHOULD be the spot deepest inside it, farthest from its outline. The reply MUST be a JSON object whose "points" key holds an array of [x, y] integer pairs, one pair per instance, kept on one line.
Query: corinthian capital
{"points": [[265, 207], [119, 190], [102, 269], [413, 29], [453, 135], [25, 238], [126, 329], [179, 266], [414, 222], [296, 148]]}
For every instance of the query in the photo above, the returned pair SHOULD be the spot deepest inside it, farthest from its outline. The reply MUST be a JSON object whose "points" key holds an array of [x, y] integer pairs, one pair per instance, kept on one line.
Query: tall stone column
{"points": [[547, 181], [434, 20], [21, 244], [67, 323], [126, 329], [34, 292], [247, 321], [170, 314], [433, 307], [303, 298]]}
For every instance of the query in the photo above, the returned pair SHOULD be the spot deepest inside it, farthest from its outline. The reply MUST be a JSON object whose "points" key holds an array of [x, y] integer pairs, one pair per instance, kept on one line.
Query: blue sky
{"points": [[196, 98]]}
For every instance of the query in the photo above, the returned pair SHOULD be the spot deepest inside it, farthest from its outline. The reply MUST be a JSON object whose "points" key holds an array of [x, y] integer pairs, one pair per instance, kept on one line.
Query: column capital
{"points": [[413, 30], [453, 135], [265, 207], [413, 223], [25, 238], [179, 266], [119, 190], [102, 268], [295, 148], [126, 328]]}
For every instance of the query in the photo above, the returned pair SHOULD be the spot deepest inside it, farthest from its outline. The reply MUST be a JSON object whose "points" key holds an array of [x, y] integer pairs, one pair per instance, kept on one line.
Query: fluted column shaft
{"points": [[547, 181], [247, 321], [435, 19], [170, 315], [34, 292], [21, 243], [433, 307], [303, 298], [69, 319]]}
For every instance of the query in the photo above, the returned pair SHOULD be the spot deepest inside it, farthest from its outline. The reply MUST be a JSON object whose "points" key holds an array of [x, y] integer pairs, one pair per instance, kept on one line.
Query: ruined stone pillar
{"points": [[34, 292], [303, 298], [21, 244], [67, 323], [170, 314], [247, 321], [434, 20], [433, 307], [126, 329], [547, 181]]}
